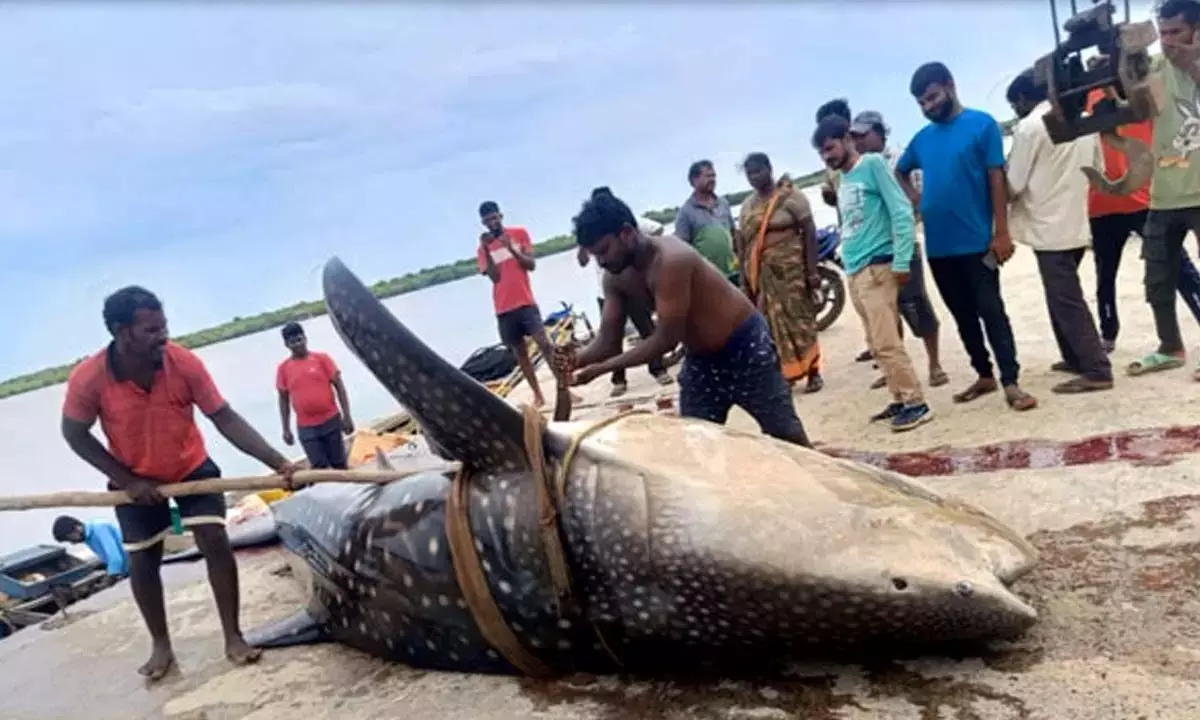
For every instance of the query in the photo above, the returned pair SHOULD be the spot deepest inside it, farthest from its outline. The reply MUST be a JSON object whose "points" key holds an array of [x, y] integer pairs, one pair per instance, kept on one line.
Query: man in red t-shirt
{"points": [[142, 389], [307, 381], [505, 255], [1113, 218]]}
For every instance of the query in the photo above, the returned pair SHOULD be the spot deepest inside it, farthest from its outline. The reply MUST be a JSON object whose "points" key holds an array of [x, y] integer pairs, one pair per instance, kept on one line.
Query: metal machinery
{"points": [[1120, 61]]}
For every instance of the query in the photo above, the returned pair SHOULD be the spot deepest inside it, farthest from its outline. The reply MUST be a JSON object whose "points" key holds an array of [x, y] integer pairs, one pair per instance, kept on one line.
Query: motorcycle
{"points": [[829, 269]]}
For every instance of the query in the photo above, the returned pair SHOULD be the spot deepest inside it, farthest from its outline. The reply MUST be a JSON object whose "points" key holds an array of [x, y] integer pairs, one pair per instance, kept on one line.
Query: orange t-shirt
{"points": [[513, 290], [309, 382], [1115, 165], [152, 433]]}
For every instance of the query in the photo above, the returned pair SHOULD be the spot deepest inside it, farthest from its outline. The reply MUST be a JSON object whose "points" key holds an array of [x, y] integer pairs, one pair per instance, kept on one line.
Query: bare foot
{"points": [[162, 659], [239, 653]]}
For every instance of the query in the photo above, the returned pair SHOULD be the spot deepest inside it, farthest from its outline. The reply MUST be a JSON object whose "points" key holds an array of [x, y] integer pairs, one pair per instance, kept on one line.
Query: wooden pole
{"points": [[219, 485]]}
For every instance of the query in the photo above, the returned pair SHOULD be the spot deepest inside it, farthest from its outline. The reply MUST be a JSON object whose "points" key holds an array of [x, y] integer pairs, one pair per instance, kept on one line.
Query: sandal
{"points": [[880, 381], [1152, 363], [977, 390], [1018, 399], [938, 378], [1076, 386]]}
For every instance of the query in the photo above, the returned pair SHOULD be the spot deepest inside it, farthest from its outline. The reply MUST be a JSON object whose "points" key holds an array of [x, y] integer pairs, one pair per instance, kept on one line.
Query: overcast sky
{"points": [[219, 154]]}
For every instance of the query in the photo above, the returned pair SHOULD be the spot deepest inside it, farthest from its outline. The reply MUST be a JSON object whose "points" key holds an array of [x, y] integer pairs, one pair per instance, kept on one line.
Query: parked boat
{"points": [[40, 581]]}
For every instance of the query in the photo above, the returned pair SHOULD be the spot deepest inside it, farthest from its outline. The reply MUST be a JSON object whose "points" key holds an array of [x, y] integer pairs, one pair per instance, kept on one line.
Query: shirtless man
{"points": [[730, 358]]}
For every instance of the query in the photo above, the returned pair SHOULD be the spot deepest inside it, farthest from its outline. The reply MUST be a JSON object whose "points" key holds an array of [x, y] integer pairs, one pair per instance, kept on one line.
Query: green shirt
{"points": [[716, 245], [1176, 180]]}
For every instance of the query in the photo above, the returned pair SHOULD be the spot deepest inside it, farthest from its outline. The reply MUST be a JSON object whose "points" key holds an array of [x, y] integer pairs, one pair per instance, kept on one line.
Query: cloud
{"points": [[219, 153]]}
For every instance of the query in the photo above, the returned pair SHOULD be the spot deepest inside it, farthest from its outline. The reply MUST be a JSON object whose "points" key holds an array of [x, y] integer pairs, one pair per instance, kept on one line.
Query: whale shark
{"points": [[688, 544]]}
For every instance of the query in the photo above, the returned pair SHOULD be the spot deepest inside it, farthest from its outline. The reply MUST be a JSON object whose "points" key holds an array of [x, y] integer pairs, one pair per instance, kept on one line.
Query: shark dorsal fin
{"points": [[461, 418]]}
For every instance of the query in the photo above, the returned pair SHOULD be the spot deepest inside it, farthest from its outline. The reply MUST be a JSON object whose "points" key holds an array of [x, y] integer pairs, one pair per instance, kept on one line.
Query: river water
{"points": [[453, 319]]}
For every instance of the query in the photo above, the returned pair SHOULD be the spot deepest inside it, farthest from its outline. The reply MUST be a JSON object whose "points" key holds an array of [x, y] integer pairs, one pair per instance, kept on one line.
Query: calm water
{"points": [[453, 319]]}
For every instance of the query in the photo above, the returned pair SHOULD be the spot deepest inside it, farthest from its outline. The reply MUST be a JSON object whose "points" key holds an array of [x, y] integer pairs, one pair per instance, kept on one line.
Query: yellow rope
{"points": [[468, 569]]}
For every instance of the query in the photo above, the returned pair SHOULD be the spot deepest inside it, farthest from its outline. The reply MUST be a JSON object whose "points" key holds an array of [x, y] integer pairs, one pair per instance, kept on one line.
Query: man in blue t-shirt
{"points": [[102, 538], [964, 207]]}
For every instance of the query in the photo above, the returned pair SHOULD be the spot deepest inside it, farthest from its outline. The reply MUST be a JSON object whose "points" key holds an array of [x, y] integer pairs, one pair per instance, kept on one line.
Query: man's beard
{"points": [[941, 113], [618, 267]]}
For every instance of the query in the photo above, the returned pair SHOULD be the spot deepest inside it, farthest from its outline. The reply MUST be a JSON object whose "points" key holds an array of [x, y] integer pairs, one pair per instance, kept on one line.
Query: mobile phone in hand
{"points": [[989, 260]]}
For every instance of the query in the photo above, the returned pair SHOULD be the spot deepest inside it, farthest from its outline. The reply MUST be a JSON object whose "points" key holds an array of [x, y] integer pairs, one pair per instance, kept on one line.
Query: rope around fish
{"points": [[468, 569]]}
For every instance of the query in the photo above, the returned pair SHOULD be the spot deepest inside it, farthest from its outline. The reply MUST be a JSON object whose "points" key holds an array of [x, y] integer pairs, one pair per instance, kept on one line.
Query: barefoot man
{"points": [[142, 389], [505, 255], [730, 358]]}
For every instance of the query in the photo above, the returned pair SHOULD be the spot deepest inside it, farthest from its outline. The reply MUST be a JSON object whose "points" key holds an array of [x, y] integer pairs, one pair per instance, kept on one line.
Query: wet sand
{"points": [[1115, 514]]}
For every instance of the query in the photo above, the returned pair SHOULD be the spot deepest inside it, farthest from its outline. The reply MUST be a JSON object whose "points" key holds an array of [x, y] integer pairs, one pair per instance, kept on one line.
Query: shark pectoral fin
{"points": [[460, 418], [299, 629], [1139, 168]]}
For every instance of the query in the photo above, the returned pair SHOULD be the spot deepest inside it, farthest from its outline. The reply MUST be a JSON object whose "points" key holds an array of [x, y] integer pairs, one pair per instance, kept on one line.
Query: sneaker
{"points": [[911, 416], [889, 412]]}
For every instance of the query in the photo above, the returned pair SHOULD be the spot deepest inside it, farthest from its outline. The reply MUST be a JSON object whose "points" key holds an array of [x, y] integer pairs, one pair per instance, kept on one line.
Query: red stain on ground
{"points": [[1147, 446]]}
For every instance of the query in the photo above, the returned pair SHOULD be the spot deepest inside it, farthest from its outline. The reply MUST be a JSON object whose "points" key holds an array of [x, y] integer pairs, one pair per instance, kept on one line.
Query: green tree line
{"points": [[410, 282]]}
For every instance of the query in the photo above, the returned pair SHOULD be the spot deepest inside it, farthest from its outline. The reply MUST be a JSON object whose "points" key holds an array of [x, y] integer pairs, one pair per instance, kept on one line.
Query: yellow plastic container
{"points": [[270, 496]]}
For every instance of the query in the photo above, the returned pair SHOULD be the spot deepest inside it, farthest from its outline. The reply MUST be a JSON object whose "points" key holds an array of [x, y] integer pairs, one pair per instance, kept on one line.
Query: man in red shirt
{"points": [[505, 255], [307, 381], [1113, 218], [142, 389]]}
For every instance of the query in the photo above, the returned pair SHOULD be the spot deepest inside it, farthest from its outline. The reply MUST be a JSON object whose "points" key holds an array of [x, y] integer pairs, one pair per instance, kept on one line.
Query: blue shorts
{"points": [[744, 373]]}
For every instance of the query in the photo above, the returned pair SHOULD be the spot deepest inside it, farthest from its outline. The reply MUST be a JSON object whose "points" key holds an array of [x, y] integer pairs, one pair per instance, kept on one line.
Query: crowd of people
{"points": [[971, 203], [740, 297]]}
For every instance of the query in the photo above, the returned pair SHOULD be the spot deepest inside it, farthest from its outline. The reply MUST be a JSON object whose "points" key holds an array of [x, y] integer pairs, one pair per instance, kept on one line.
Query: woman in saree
{"points": [[777, 251]]}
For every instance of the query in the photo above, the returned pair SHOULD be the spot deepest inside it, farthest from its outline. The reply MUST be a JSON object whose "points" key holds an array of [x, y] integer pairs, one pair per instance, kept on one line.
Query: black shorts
{"points": [[913, 302], [516, 325], [324, 445], [144, 526]]}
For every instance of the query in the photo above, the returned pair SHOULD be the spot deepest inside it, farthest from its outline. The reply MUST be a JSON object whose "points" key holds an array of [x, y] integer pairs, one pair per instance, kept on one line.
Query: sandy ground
{"points": [[1118, 586]]}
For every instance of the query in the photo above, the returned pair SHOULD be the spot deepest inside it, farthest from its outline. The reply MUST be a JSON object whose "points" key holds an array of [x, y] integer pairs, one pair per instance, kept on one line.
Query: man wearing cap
{"points": [[870, 135]]}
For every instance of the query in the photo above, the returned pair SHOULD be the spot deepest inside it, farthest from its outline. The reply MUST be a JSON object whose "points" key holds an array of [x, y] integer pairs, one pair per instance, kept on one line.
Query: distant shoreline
{"points": [[410, 282]]}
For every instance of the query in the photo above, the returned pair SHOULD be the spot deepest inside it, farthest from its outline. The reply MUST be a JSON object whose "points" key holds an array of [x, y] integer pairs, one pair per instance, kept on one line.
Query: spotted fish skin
{"points": [[688, 542], [384, 580]]}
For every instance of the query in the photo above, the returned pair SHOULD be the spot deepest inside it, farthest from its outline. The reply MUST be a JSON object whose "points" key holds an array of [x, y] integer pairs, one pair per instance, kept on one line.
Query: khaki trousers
{"points": [[874, 292]]}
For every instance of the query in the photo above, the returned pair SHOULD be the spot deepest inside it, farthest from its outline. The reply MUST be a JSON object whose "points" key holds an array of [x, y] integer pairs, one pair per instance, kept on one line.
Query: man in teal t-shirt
{"points": [[877, 248]]}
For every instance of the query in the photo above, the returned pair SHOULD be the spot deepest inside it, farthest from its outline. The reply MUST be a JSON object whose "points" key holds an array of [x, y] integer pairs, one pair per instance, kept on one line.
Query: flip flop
{"points": [[974, 392], [864, 356], [814, 385], [1076, 386], [1019, 400], [938, 378], [1152, 363], [879, 382], [664, 379]]}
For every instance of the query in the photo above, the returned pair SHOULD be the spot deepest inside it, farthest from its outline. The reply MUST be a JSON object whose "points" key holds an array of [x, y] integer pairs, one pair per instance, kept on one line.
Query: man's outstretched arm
{"points": [[672, 301]]}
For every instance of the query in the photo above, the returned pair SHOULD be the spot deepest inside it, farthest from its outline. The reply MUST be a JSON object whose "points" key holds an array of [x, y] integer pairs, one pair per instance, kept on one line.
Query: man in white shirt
{"points": [[1049, 213]]}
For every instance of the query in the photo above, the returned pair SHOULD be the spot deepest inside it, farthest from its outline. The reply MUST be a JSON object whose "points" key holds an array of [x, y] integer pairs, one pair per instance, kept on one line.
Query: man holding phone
{"points": [[964, 206]]}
